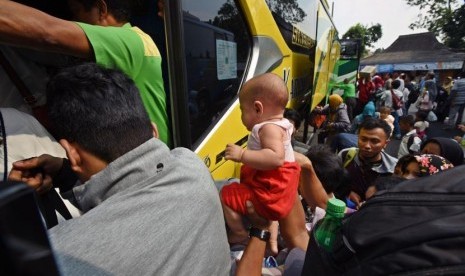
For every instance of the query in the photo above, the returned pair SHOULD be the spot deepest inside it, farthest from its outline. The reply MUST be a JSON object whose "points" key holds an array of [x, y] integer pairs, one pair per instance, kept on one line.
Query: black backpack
{"points": [[414, 94], [24, 245], [415, 228]]}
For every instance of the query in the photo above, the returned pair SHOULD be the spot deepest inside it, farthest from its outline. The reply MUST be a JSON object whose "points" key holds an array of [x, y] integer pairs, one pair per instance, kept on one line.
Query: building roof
{"points": [[415, 48]]}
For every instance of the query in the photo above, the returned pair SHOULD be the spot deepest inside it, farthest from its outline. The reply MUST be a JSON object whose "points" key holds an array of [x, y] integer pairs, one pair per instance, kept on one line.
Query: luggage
{"points": [[24, 245], [368, 71], [415, 228]]}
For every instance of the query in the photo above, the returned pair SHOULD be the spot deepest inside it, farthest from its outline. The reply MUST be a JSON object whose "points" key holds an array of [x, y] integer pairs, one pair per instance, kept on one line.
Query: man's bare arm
{"points": [[24, 26]]}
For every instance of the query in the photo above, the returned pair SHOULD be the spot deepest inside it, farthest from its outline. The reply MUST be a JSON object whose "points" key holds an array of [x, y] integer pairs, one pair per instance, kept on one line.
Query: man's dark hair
{"points": [[99, 109], [293, 115], [328, 167], [395, 84], [421, 115], [372, 123], [122, 10], [407, 119]]}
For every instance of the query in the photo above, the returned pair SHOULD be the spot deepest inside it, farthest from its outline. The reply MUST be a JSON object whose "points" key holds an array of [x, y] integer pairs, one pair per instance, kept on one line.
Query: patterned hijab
{"points": [[430, 164]]}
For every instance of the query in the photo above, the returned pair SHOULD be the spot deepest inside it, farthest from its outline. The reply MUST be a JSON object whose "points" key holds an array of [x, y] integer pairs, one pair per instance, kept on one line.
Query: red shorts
{"points": [[271, 192]]}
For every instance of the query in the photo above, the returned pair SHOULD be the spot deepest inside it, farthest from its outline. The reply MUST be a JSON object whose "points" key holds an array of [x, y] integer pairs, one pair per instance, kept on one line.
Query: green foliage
{"points": [[228, 18], [367, 34], [289, 10], [440, 18], [454, 29], [378, 50]]}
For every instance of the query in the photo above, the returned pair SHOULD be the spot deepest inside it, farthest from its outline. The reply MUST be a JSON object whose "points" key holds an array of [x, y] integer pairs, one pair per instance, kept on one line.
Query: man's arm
{"points": [[310, 186], [43, 173], [251, 261], [24, 26]]}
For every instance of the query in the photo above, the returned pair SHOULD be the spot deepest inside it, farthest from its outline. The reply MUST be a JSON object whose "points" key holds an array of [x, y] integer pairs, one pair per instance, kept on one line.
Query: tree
{"points": [[368, 35], [454, 29], [439, 18], [228, 18], [378, 50], [289, 10]]}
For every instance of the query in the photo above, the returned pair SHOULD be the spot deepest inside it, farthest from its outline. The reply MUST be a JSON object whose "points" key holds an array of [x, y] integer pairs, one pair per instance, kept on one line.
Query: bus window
{"points": [[217, 46], [297, 23]]}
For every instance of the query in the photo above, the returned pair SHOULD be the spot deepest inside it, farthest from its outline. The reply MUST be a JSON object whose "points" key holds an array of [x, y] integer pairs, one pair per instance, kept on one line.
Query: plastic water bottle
{"points": [[326, 232], [446, 121]]}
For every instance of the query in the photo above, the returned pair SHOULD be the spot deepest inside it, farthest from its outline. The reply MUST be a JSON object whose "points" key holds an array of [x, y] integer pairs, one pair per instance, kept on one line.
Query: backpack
{"points": [[396, 101], [413, 95], [350, 155], [24, 245], [410, 141], [415, 228]]}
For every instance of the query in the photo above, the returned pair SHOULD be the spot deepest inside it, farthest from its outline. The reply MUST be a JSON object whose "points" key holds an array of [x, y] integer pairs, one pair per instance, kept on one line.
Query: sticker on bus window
{"points": [[226, 59]]}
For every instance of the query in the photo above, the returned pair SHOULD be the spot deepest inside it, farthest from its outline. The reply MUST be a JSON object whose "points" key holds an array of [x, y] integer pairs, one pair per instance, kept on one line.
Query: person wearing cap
{"points": [[337, 118]]}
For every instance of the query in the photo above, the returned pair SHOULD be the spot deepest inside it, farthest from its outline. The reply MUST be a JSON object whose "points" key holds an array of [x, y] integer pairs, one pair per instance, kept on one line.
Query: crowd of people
{"points": [[143, 208]]}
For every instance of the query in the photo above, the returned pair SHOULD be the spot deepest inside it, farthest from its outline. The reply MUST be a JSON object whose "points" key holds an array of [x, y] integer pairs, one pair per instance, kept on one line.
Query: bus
{"points": [[227, 42], [349, 60], [210, 48]]}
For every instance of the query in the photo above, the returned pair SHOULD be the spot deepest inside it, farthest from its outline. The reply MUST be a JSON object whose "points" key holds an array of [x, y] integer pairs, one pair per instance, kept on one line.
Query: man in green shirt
{"points": [[348, 96], [109, 40]]}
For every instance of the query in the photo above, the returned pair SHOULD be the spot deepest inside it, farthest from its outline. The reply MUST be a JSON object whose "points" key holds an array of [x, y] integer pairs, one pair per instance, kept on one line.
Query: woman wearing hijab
{"points": [[413, 166], [445, 147], [369, 111], [337, 119]]}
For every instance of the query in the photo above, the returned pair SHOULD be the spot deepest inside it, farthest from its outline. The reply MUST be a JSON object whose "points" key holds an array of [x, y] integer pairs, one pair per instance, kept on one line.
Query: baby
{"points": [[269, 175]]}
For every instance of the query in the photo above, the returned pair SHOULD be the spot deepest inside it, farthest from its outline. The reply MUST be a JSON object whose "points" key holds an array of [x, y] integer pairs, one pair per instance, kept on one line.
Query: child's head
{"points": [[382, 184], [263, 98], [421, 116], [384, 111], [406, 123], [294, 117], [413, 166], [406, 166], [328, 167]]}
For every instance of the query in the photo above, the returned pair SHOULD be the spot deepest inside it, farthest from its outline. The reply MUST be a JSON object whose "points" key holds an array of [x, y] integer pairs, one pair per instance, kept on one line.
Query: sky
{"points": [[394, 16]]}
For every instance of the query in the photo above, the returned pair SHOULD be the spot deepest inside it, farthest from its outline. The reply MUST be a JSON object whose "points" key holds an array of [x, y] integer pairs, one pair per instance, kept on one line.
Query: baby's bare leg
{"points": [[237, 232], [293, 228]]}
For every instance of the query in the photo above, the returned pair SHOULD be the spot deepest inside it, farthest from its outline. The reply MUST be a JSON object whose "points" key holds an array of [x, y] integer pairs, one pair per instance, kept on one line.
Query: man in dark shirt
{"points": [[368, 161]]}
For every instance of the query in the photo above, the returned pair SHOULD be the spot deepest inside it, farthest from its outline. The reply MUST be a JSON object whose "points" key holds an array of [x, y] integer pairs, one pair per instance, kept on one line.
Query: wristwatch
{"points": [[263, 235]]}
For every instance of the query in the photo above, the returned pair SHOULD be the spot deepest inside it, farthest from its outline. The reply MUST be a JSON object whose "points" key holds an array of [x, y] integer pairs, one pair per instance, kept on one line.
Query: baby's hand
{"points": [[233, 152]]}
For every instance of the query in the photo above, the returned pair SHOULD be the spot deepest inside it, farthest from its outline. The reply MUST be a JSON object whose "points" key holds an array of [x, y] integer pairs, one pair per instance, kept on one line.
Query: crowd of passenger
{"points": [[143, 208]]}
